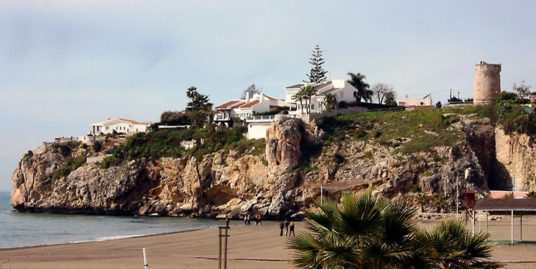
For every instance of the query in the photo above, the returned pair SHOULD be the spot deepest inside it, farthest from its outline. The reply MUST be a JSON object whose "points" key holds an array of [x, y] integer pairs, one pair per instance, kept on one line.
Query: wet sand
{"points": [[249, 247]]}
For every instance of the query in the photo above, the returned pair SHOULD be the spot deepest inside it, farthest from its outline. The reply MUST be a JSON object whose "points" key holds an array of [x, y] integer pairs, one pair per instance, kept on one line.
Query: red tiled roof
{"points": [[226, 104], [250, 104], [270, 97], [236, 104]]}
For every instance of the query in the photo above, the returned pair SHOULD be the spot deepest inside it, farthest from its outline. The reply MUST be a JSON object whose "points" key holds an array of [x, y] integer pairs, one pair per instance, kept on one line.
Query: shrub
{"points": [[69, 166], [97, 146]]}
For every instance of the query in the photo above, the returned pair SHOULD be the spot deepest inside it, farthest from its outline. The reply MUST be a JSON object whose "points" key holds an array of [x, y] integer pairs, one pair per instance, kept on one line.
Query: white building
{"points": [[244, 108], [120, 126], [343, 91], [416, 103]]}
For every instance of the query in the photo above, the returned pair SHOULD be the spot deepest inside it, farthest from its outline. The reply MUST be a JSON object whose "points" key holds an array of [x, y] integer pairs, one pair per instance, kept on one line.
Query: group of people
{"points": [[258, 219], [288, 226]]}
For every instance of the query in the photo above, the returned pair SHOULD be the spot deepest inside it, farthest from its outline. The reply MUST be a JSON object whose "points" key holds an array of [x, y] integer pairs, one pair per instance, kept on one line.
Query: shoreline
{"points": [[119, 237], [249, 247]]}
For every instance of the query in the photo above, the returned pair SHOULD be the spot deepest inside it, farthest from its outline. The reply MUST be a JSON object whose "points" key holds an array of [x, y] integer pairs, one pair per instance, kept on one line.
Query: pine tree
{"points": [[317, 74]]}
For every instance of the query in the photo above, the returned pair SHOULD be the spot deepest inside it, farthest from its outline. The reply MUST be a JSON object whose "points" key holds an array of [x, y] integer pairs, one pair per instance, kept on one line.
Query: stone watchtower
{"points": [[487, 84]]}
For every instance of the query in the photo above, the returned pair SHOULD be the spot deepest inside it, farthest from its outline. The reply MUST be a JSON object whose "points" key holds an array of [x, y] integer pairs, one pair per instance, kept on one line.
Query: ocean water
{"points": [[32, 229]]}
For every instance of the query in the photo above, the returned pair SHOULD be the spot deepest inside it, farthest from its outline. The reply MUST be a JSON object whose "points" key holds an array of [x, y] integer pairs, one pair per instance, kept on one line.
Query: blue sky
{"points": [[66, 64]]}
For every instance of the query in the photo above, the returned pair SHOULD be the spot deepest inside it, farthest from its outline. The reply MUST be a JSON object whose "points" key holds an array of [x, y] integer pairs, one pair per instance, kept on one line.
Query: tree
{"points": [[358, 81], [251, 90], [365, 231], [308, 92], [199, 108], [317, 73], [330, 101], [390, 99], [198, 101], [299, 97], [380, 90], [438, 105], [523, 90]]}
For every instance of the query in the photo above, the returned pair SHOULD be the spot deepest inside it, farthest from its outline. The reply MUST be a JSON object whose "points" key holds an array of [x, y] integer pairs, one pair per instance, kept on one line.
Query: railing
{"points": [[261, 117]]}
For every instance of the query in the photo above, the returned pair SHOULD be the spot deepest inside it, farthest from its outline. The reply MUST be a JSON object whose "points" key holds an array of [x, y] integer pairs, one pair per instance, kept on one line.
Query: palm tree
{"points": [[364, 231], [449, 245], [308, 92], [358, 81], [299, 97], [330, 101]]}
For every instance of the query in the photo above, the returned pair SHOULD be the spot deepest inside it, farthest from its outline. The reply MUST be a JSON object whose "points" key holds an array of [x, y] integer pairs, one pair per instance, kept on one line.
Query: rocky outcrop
{"points": [[286, 179], [516, 160]]}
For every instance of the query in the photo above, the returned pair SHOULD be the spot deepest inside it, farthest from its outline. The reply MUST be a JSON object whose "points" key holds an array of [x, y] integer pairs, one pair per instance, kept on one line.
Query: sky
{"points": [[65, 64]]}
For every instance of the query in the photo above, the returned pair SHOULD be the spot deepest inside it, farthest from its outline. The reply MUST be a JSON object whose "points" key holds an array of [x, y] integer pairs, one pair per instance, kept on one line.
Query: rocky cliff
{"points": [[516, 160], [298, 159]]}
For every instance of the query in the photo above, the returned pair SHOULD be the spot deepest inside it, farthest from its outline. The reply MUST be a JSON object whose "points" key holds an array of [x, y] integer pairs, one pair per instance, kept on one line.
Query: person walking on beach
{"points": [[246, 219], [291, 227], [259, 219], [227, 220], [286, 223], [281, 227]]}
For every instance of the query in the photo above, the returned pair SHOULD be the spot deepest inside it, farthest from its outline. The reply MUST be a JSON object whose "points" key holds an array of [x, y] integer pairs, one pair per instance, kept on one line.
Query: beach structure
{"points": [[516, 207], [119, 126], [487, 82], [225, 113]]}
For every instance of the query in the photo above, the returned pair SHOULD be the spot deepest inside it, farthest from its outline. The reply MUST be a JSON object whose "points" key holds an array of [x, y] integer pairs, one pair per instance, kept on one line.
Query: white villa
{"points": [[244, 108], [343, 91], [120, 126]]}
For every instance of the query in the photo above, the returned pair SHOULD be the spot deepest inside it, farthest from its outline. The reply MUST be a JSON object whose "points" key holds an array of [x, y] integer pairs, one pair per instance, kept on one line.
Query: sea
{"points": [[34, 229]]}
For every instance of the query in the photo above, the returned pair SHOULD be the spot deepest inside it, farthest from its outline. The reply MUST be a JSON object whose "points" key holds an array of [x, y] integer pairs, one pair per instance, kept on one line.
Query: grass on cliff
{"points": [[418, 130], [69, 166], [167, 143]]}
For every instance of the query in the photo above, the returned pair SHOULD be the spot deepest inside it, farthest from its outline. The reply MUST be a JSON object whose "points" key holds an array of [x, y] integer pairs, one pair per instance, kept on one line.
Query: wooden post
{"points": [[225, 249], [145, 264], [521, 228], [223, 235], [512, 227], [219, 248], [321, 194], [487, 217], [473, 223]]}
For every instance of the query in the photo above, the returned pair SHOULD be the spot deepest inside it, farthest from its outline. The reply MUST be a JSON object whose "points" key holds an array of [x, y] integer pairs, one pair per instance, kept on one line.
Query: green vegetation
{"points": [[372, 232], [483, 111], [424, 129], [167, 143], [69, 166]]}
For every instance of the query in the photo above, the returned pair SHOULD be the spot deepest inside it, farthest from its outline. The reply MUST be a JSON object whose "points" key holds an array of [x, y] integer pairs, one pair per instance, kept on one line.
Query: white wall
{"points": [[257, 130], [121, 127]]}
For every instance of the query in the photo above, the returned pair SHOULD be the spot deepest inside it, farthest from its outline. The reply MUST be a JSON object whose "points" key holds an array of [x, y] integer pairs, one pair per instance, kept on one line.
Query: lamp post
{"points": [[457, 198], [321, 193]]}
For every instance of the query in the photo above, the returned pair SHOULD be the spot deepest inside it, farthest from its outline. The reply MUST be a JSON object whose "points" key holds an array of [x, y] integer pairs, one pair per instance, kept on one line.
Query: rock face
{"points": [[279, 182], [516, 160]]}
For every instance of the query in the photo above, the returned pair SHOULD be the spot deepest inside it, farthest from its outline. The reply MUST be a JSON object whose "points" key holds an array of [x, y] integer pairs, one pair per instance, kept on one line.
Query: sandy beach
{"points": [[249, 247]]}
